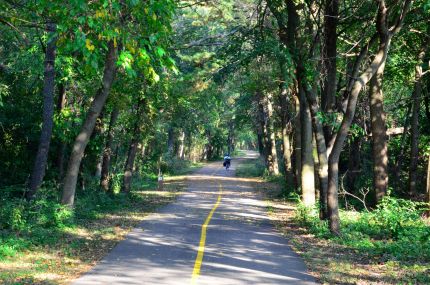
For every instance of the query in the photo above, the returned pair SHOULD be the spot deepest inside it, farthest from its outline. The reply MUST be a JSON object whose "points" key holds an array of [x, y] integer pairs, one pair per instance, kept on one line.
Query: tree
{"points": [[40, 162], [120, 30]]}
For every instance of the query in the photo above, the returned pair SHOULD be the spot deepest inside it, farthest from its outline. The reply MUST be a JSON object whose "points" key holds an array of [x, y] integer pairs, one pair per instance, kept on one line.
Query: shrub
{"points": [[395, 229], [12, 215]]}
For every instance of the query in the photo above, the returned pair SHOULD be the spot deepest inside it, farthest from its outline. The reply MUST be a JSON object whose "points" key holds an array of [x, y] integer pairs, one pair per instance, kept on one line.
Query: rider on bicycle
{"points": [[227, 161]]}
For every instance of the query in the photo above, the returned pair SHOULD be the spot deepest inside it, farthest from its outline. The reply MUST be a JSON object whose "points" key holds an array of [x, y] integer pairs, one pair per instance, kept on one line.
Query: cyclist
{"points": [[227, 161]]}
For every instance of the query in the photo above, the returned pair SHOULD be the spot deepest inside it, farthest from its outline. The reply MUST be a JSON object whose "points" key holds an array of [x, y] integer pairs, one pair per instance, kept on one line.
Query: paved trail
{"points": [[241, 245]]}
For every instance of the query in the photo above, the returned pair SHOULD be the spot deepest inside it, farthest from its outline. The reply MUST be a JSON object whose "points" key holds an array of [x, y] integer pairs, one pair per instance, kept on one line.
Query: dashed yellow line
{"points": [[201, 250]]}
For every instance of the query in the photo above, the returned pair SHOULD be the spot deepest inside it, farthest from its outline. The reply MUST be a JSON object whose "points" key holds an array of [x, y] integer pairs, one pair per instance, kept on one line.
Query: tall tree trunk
{"points": [[262, 128], [107, 152], [260, 141], [38, 173], [322, 153], [133, 148], [230, 139], [287, 154], [170, 140], [99, 165], [83, 137], [273, 162], [128, 172], [285, 124], [416, 102], [427, 101], [181, 148], [61, 152], [399, 159], [379, 135], [353, 163], [428, 185], [308, 171], [329, 60], [297, 143]]}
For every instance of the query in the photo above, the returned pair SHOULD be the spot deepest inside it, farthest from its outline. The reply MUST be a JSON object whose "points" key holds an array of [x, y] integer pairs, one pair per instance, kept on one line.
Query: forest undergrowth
{"points": [[389, 245], [44, 242]]}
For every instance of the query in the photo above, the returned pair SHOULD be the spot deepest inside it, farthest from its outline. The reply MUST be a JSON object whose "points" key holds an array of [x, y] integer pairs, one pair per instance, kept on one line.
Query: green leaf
{"points": [[160, 51]]}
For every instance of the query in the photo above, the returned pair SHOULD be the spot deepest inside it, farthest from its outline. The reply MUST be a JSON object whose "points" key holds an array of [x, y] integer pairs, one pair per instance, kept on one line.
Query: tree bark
{"points": [[379, 135], [322, 153], [273, 161], [128, 172], [107, 153], [260, 141], [61, 103], [329, 50], [262, 128], [170, 140], [40, 163], [285, 125], [427, 101], [83, 137], [399, 159], [307, 171], [353, 163], [428, 184], [287, 154], [297, 137], [416, 102], [181, 148], [134, 147]]}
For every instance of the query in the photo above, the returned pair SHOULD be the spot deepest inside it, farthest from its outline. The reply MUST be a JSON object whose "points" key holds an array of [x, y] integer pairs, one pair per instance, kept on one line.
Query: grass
{"points": [[45, 243], [250, 168], [390, 245]]}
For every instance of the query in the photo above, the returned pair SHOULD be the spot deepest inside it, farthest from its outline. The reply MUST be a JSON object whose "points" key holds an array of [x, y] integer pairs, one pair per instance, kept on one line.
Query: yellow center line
{"points": [[201, 250]]}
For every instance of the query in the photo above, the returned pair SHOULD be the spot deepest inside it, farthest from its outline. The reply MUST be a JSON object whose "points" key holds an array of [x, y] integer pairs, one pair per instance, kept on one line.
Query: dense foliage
{"points": [[335, 95]]}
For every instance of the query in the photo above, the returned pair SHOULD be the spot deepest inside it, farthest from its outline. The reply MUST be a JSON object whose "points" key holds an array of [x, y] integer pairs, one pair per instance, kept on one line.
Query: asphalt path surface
{"points": [[241, 245]]}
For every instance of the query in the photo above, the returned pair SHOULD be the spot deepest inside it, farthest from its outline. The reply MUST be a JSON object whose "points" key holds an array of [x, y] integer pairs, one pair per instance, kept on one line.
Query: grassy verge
{"points": [[250, 168], [390, 245], [44, 243]]}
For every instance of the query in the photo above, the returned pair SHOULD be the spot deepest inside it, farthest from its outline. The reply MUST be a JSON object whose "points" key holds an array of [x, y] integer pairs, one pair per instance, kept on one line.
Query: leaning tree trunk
{"points": [[379, 135], [36, 177], [107, 153], [357, 83], [416, 102], [84, 135], [342, 133]]}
